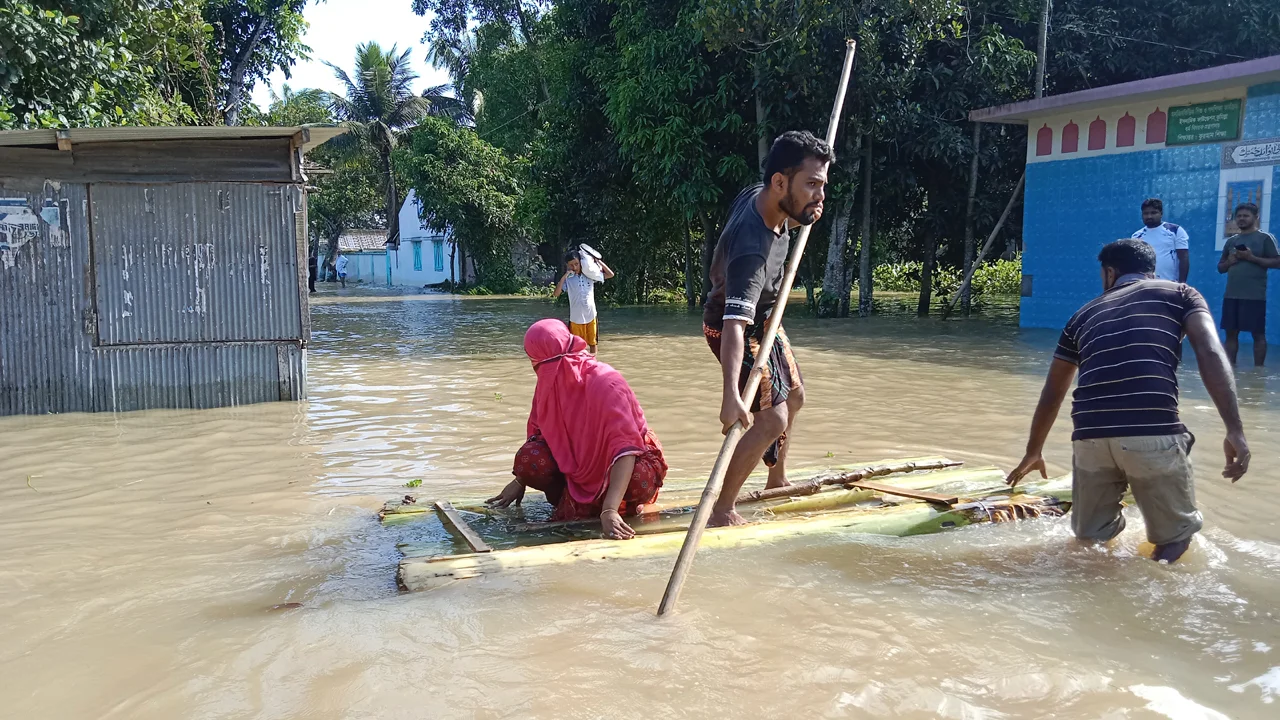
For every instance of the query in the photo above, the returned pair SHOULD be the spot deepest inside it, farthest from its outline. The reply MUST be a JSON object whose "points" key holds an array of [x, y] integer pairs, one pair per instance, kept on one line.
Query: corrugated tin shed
{"points": [[152, 267]]}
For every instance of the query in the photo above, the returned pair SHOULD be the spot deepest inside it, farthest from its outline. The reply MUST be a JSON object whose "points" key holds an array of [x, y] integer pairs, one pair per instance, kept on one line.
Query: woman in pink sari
{"points": [[589, 449]]}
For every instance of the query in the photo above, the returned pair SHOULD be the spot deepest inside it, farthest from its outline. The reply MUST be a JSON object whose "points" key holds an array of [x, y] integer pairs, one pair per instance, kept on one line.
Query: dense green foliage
{"points": [[67, 63], [638, 122], [632, 124], [250, 39], [998, 277], [101, 62], [468, 186]]}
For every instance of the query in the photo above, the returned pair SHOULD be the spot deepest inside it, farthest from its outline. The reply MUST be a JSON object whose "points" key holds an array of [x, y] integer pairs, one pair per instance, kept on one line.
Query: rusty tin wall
{"points": [[195, 262], [227, 324]]}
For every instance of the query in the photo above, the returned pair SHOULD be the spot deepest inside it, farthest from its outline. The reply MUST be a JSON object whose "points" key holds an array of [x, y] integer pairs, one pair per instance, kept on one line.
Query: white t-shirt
{"points": [[341, 265], [1166, 239], [582, 298]]}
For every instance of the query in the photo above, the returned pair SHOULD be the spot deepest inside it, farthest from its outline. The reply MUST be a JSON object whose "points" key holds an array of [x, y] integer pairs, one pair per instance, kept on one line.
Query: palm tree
{"points": [[455, 56], [379, 103], [446, 105]]}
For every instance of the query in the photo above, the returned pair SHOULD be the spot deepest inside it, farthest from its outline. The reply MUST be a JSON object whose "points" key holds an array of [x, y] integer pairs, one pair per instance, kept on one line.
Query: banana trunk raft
{"points": [[911, 496]]}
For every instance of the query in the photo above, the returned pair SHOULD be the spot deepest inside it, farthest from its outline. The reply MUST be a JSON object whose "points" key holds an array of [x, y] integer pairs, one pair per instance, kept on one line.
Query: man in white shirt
{"points": [[582, 299], [1173, 257], [340, 266]]}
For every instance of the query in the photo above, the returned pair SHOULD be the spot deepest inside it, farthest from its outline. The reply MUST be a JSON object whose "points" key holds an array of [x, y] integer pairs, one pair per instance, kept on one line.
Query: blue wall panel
{"points": [[1074, 207], [1262, 112]]}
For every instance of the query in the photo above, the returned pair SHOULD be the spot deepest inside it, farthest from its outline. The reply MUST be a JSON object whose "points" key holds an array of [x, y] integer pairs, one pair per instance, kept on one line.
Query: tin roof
{"points": [[312, 135], [362, 240], [1249, 72]]}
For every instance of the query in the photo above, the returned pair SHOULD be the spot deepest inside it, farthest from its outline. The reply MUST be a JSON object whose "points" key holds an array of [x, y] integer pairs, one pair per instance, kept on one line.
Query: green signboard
{"points": [[1204, 122]]}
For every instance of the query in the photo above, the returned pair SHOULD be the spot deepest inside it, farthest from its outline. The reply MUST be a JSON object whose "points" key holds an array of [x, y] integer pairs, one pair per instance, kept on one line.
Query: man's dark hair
{"points": [[1153, 203], [1251, 207], [1128, 256], [571, 255], [791, 149]]}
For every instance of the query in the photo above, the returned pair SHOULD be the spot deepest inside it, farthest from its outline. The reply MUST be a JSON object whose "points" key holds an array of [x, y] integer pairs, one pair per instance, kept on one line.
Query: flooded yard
{"points": [[149, 561]]}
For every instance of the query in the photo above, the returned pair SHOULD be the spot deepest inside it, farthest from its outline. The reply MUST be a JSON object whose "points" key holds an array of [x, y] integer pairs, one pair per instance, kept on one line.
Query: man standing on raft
{"points": [[746, 277]]}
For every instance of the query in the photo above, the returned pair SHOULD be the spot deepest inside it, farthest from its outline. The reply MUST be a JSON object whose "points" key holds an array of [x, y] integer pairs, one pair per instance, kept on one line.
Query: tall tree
{"points": [[469, 188], [102, 62], [251, 38], [378, 104], [451, 18]]}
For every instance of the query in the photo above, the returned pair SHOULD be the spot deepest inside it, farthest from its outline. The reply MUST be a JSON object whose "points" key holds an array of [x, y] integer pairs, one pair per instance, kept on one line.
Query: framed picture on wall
{"points": [[1237, 185], [1238, 193]]}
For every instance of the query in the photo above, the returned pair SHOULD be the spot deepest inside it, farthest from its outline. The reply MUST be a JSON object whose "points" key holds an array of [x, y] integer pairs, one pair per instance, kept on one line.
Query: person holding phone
{"points": [[1246, 257]]}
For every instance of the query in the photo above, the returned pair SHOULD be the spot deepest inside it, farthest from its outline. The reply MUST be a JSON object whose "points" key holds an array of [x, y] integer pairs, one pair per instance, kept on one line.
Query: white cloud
{"points": [[337, 27]]}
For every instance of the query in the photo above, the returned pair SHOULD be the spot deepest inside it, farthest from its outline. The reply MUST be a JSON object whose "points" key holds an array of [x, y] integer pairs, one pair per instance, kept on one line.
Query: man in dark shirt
{"points": [[1246, 257], [1125, 408], [746, 277]]}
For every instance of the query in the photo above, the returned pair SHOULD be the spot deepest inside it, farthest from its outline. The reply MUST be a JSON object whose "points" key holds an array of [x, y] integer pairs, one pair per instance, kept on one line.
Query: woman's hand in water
{"points": [[512, 493], [613, 526]]}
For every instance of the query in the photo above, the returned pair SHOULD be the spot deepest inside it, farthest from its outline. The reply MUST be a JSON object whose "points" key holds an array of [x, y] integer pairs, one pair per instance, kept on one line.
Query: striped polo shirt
{"points": [[1125, 344]]}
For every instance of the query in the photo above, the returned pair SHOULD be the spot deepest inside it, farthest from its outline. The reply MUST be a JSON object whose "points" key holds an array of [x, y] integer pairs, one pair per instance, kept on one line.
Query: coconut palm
{"points": [[445, 104], [455, 55], [379, 103]]}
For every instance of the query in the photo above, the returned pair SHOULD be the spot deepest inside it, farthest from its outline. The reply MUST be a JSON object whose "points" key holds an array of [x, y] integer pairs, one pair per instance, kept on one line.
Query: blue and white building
{"points": [[424, 257], [1202, 142]]}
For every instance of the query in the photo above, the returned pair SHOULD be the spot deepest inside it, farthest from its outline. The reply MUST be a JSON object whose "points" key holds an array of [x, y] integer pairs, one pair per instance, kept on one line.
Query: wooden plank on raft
{"points": [[929, 497], [471, 536]]}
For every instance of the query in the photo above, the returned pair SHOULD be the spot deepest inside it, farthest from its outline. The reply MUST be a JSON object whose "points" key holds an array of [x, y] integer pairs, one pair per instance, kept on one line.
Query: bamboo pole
{"points": [[420, 570], [977, 481], [841, 478], [968, 278], [716, 481], [968, 213]]}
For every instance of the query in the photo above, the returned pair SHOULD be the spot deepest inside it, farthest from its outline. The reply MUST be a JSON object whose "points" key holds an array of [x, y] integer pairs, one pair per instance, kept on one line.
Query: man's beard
{"points": [[805, 216], [1155, 224]]}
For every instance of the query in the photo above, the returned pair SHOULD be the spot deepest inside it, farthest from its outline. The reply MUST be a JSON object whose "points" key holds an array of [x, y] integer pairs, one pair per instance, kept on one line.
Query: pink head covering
{"points": [[583, 408]]}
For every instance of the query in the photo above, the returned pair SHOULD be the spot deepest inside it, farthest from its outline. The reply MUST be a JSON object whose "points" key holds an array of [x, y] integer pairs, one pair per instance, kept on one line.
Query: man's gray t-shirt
{"points": [[747, 268], [1246, 280]]}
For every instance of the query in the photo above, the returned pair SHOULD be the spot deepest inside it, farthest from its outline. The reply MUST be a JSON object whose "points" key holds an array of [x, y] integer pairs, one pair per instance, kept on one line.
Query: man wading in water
{"points": [[746, 277], [1125, 408]]}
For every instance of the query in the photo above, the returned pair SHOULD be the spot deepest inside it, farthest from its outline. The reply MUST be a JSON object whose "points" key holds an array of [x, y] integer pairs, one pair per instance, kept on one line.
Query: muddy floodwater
{"points": [[228, 563]]}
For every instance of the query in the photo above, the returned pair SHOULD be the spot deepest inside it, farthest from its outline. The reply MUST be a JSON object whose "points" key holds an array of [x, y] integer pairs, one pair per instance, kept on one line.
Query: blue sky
{"points": [[337, 26]]}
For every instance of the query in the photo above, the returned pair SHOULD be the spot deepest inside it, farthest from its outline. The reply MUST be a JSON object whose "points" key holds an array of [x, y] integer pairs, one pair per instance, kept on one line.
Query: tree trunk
{"points": [[865, 285], [235, 83], [1042, 47], [968, 218], [688, 264], [525, 30], [926, 271], [453, 263], [462, 264], [392, 198], [762, 139], [810, 300], [834, 278], [709, 239]]}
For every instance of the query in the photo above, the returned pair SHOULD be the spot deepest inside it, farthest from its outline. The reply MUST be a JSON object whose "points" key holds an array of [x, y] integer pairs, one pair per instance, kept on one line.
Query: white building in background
{"points": [[424, 257]]}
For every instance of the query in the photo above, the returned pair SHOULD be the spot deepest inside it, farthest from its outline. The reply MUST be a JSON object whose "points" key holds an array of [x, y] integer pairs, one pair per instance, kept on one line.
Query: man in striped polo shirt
{"points": [[1125, 408]]}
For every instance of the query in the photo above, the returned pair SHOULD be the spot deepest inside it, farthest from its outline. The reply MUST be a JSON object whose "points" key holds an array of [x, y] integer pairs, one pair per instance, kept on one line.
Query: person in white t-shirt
{"points": [[1173, 256], [341, 267], [582, 299]]}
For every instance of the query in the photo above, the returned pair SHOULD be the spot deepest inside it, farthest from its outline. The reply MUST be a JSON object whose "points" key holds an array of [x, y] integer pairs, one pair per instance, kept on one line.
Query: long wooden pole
{"points": [[968, 278], [716, 481]]}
